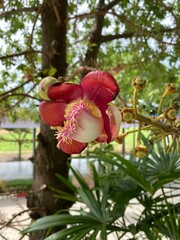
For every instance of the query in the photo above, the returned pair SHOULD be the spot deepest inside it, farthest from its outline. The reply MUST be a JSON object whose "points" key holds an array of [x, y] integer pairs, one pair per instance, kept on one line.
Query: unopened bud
{"points": [[141, 151], [170, 114], [44, 85], [170, 89], [139, 83], [121, 137], [127, 114]]}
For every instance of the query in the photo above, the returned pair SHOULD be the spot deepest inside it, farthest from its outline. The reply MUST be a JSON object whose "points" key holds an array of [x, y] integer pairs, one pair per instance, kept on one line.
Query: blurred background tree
{"points": [[68, 38]]}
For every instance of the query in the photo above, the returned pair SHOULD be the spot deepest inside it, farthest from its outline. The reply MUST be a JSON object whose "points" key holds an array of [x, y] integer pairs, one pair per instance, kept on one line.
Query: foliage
{"points": [[129, 198], [12, 138], [16, 185], [126, 38], [137, 38]]}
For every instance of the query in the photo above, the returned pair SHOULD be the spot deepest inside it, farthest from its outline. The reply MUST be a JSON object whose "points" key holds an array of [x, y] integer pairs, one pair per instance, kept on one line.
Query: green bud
{"points": [[44, 85]]}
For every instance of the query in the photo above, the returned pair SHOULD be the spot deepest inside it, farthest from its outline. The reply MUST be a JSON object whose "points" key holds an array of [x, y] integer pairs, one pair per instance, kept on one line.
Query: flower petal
{"points": [[73, 147], [52, 113], [88, 127], [112, 121], [100, 87], [66, 92]]}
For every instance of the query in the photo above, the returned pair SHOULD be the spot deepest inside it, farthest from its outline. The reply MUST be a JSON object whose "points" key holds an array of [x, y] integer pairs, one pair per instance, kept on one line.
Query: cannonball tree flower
{"points": [[81, 113]]}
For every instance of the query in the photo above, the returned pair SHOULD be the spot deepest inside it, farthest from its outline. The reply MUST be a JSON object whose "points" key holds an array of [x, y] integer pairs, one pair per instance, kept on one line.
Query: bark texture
{"points": [[48, 159]]}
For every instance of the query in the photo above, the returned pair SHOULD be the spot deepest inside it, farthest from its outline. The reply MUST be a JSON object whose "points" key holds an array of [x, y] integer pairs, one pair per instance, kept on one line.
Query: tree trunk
{"points": [[91, 55], [48, 159]]}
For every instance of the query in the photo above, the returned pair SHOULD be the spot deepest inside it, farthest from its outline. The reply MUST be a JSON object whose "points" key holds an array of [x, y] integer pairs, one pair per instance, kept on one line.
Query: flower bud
{"points": [[170, 89], [141, 151], [127, 114], [121, 137], [139, 83], [44, 84], [170, 114]]}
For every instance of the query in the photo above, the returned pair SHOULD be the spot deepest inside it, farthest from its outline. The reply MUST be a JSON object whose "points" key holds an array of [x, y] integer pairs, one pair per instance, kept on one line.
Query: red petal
{"points": [[112, 120], [115, 121], [100, 87], [52, 113], [74, 147], [65, 92], [105, 135]]}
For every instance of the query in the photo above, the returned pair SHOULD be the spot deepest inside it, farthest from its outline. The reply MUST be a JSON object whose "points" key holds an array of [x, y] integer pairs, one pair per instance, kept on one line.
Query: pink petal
{"points": [[112, 121], [52, 113], [88, 127], [73, 147], [66, 92], [100, 87]]}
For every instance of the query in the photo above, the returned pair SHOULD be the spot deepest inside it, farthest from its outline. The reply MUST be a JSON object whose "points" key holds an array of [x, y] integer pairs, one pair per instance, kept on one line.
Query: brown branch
{"points": [[3, 237], [95, 38], [18, 11], [142, 31], [107, 38], [56, 11], [18, 214], [112, 4], [166, 128], [16, 88], [86, 15], [31, 37], [18, 102], [169, 9], [95, 13], [23, 53], [20, 94]]}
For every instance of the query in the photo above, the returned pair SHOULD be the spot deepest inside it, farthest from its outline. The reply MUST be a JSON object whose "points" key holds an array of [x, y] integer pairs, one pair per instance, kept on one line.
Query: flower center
{"points": [[83, 122]]}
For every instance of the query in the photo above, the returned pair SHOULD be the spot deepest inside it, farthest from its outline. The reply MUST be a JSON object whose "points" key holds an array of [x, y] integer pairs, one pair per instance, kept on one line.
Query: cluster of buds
{"points": [[129, 114]]}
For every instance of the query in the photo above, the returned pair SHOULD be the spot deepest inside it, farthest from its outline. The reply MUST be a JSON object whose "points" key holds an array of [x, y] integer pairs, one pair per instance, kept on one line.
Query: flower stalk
{"points": [[135, 101]]}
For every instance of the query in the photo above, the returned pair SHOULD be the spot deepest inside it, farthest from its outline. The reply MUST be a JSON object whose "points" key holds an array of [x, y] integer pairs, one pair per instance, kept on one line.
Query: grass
{"points": [[15, 185], [9, 141]]}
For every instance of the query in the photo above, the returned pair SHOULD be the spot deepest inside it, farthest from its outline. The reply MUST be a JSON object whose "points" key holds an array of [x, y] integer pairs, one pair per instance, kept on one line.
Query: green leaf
{"points": [[52, 71], [58, 220], [77, 231]]}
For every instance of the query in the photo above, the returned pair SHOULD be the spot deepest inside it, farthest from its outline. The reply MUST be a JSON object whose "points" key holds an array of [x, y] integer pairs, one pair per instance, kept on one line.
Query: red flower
{"points": [[81, 113]]}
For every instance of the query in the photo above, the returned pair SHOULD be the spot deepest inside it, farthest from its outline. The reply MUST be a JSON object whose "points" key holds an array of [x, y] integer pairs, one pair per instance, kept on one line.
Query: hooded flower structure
{"points": [[81, 113]]}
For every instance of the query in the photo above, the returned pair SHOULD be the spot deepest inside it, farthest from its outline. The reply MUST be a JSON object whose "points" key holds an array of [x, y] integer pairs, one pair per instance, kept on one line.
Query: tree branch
{"points": [[108, 38], [166, 128], [23, 53], [142, 31], [16, 88], [18, 11], [20, 94], [112, 4], [95, 38]]}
